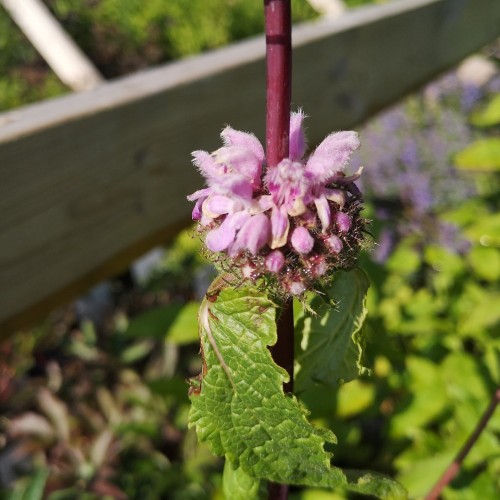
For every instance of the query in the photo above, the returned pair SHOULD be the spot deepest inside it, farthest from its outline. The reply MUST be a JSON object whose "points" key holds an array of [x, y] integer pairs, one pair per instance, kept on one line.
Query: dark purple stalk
{"points": [[278, 97], [279, 78], [454, 467]]}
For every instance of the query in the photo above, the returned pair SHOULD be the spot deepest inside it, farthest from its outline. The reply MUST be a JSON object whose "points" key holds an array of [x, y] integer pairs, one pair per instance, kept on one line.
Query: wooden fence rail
{"points": [[91, 180]]}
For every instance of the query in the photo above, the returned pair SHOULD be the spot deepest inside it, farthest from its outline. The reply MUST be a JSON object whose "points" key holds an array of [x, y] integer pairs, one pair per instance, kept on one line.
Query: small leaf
{"points": [[241, 409], [377, 485], [489, 115], [237, 485], [31, 488], [330, 350], [174, 322], [184, 329], [482, 155], [137, 351], [485, 262]]}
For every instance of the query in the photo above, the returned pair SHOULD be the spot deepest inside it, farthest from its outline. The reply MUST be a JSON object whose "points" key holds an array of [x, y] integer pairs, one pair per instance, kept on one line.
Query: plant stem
{"points": [[279, 76], [454, 467], [278, 97]]}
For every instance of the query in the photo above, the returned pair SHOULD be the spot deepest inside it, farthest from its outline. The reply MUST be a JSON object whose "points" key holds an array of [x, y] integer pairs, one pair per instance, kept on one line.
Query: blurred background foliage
{"points": [[93, 402]]}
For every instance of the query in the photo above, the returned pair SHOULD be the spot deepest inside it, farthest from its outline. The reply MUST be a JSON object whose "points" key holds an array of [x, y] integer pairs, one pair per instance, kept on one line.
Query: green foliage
{"points": [[31, 488], [122, 36], [487, 115], [482, 155], [329, 344], [241, 410], [175, 323]]}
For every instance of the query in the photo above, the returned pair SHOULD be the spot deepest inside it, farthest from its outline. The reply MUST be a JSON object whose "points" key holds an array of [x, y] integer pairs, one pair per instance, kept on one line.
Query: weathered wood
{"points": [[69, 63], [89, 180]]}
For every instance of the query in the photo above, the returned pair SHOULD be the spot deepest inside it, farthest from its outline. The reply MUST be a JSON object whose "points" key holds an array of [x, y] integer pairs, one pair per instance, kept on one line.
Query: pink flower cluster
{"points": [[293, 222]]}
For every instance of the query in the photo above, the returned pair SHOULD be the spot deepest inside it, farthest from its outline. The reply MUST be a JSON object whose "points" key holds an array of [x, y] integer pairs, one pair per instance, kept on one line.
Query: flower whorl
{"points": [[293, 223]]}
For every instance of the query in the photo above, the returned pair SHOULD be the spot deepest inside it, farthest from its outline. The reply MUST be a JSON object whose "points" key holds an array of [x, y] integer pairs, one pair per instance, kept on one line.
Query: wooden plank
{"points": [[89, 180], [69, 63]]}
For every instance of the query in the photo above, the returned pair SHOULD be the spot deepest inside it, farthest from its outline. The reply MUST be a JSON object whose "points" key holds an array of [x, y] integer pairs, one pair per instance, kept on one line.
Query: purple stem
{"points": [[454, 467], [278, 97], [279, 78]]}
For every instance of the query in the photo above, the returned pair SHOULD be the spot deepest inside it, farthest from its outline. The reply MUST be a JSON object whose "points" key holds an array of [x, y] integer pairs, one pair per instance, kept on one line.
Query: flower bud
{"points": [[275, 261], [343, 222], [301, 240], [334, 243]]}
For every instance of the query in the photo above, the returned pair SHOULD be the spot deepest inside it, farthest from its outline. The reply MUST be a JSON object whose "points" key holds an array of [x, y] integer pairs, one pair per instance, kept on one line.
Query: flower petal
{"points": [[206, 164], [261, 204], [342, 179], [233, 185], [240, 160], [297, 138], [335, 195], [221, 238], [201, 193], [301, 240], [280, 225], [231, 137], [253, 235], [332, 155], [297, 207], [218, 205], [323, 208], [196, 214]]}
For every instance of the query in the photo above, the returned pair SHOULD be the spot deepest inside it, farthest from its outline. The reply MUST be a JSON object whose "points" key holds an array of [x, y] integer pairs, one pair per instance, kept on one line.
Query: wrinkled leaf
{"points": [[241, 409], [331, 343]]}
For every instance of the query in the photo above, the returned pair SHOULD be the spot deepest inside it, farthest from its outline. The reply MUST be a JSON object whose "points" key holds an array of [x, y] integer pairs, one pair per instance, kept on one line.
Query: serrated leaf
{"points": [[482, 155], [241, 409], [330, 343]]}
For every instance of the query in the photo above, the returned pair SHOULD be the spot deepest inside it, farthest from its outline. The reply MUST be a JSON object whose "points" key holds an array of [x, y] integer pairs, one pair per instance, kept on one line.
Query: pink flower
{"points": [[294, 220]]}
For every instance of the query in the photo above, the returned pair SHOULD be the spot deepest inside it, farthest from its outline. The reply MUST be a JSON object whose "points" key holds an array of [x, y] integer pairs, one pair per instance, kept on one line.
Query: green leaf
{"points": [[486, 230], [184, 329], [331, 343], [31, 488], [237, 485], [482, 155], [405, 259], [485, 262], [177, 323], [241, 409], [428, 398], [488, 115], [378, 485], [421, 475]]}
